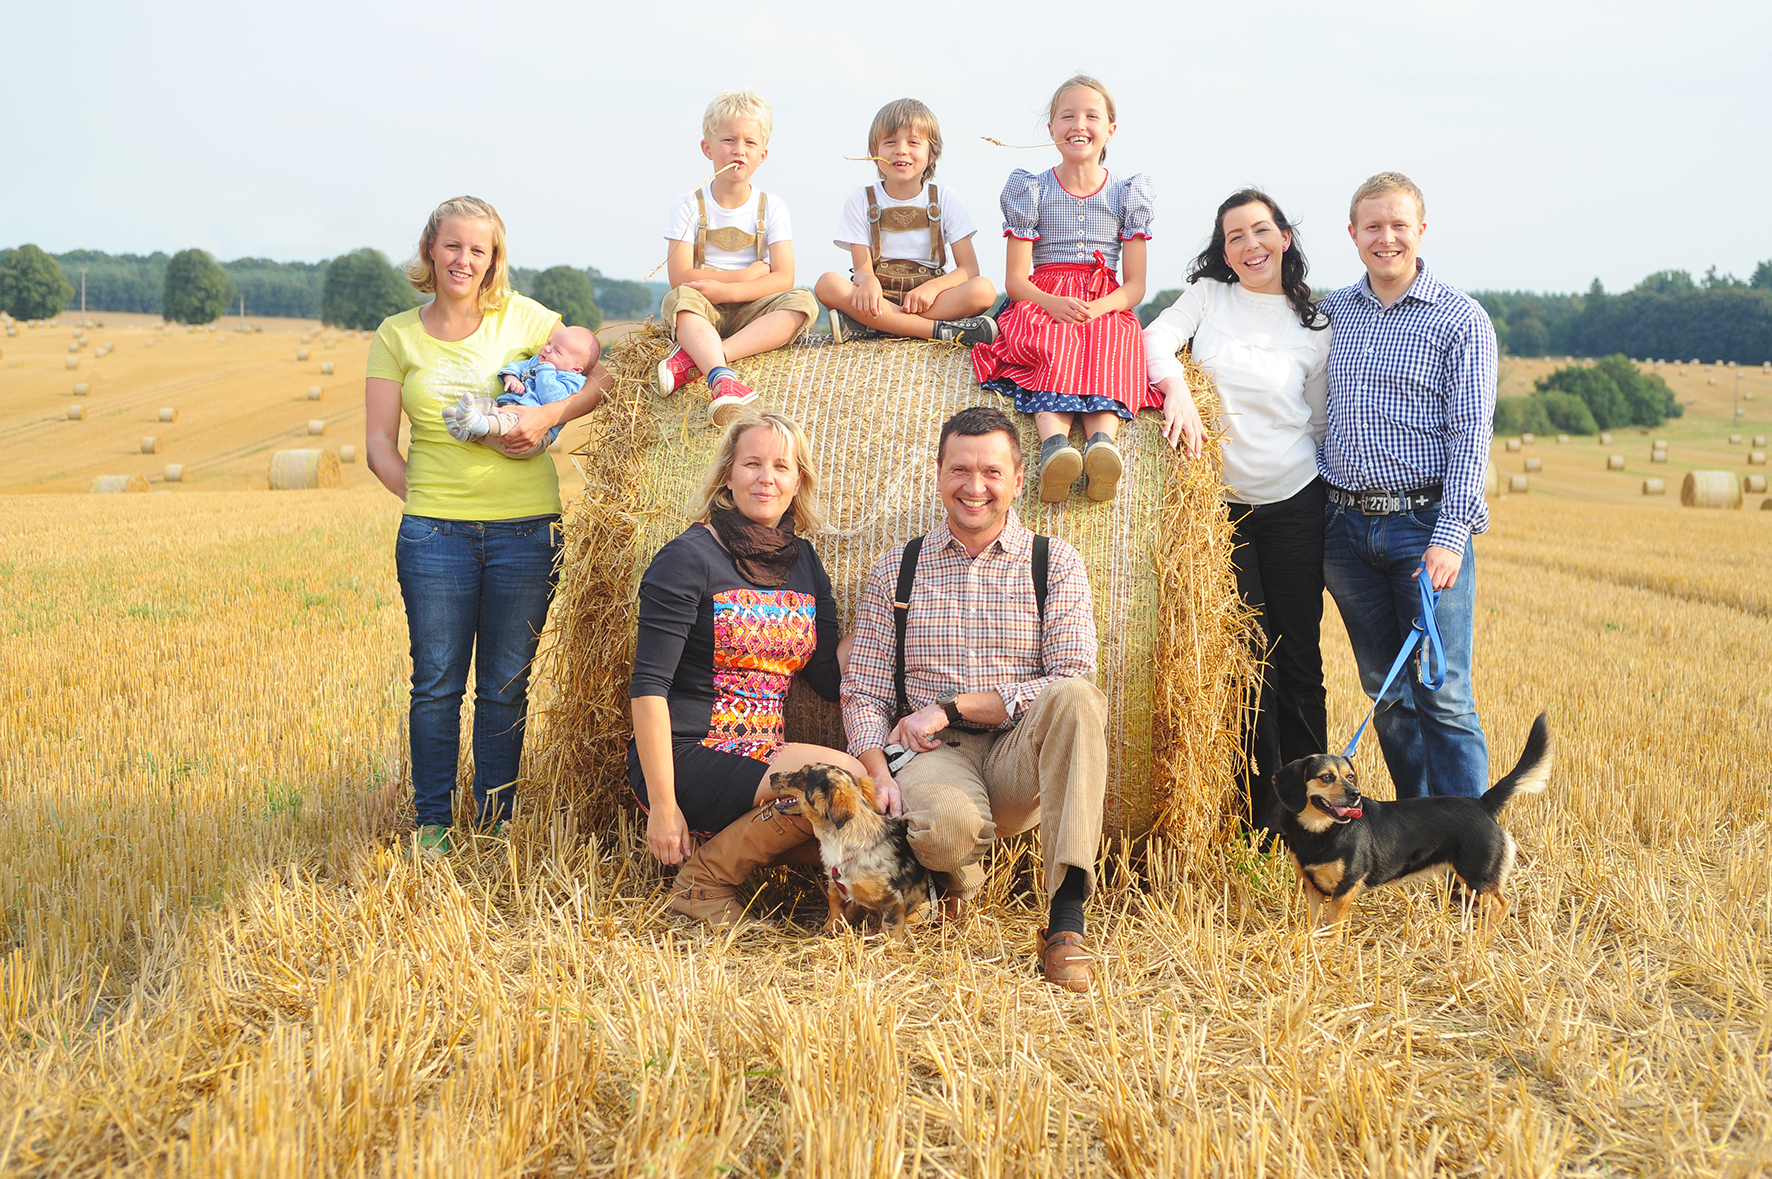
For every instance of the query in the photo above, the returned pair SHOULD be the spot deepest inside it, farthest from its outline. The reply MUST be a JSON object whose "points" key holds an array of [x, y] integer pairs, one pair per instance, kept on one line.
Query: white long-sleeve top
{"points": [[1272, 378]]}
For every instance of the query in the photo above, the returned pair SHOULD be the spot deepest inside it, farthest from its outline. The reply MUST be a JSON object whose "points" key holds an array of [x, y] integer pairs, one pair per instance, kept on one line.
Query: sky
{"points": [[1555, 142]]}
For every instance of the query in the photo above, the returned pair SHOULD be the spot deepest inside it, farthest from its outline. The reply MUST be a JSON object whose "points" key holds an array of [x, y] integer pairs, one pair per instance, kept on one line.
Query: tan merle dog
{"points": [[1344, 844], [869, 867]]}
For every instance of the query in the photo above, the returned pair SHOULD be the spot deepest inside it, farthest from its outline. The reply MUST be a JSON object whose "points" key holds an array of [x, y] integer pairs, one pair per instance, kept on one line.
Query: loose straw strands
{"points": [[704, 180]]}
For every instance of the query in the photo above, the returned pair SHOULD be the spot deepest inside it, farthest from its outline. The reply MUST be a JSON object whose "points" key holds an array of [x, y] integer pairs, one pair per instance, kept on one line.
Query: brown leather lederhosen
{"points": [[728, 237], [897, 275]]}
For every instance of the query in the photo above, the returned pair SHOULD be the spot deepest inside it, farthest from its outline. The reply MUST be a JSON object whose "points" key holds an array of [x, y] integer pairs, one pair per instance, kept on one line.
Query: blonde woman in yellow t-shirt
{"points": [[476, 547]]}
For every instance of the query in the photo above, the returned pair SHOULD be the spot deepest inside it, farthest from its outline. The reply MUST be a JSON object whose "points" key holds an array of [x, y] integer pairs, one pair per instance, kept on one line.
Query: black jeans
{"points": [[1279, 563]]}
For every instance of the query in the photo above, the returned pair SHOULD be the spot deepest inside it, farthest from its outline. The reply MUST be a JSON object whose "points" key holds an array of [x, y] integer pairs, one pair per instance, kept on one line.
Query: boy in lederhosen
{"points": [[899, 231]]}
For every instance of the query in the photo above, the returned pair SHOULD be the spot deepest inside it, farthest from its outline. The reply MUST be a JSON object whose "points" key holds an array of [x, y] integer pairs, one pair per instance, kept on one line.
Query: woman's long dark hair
{"points": [[1293, 267]]}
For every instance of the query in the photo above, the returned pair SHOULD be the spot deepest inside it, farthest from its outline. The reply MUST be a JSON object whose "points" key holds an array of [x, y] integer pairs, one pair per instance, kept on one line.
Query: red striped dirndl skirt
{"points": [[1055, 367]]}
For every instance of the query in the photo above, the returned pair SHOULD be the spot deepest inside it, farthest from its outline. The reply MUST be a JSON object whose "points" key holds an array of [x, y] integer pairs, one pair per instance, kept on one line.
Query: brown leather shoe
{"points": [[706, 888], [1066, 961]]}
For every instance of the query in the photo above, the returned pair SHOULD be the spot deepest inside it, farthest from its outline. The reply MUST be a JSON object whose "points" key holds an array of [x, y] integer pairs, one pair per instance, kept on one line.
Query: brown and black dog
{"points": [[869, 866], [1344, 844]]}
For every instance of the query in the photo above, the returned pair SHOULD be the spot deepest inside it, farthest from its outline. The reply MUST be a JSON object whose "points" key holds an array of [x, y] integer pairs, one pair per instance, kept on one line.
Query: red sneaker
{"points": [[675, 371], [729, 397]]}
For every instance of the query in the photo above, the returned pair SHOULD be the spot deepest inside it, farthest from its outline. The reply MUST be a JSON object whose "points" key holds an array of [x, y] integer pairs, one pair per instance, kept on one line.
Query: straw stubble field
{"points": [[216, 963]]}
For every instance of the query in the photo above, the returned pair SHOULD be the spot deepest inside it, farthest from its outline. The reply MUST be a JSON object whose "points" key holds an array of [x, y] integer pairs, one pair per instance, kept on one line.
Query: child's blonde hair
{"points": [[1087, 82], [713, 492], [906, 112], [738, 104], [495, 288], [1381, 184]]}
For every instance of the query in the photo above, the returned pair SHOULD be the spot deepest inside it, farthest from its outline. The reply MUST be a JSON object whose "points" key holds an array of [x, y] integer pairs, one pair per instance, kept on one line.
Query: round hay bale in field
{"points": [[1658, 455], [1756, 458], [1528, 439], [117, 484], [301, 354], [1654, 487], [1533, 465], [1711, 489], [169, 415], [1491, 481], [314, 392], [1605, 438], [1615, 462], [1562, 439], [73, 362], [150, 446], [1513, 446], [307, 339], [326, 369], [175, 472], [347, 454], [316, 426], [151, 341], [1766, 504], [1174, 658], [81, 388], [74, 347], [1734, 440], [1517, 484], [300, 470], [1753, 484], [76, 413], [1759, 440]]}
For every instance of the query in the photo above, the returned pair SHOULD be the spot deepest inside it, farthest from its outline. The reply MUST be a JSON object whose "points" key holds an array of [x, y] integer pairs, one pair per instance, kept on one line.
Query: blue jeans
{"points": [[1432, 741], [474, 590]]}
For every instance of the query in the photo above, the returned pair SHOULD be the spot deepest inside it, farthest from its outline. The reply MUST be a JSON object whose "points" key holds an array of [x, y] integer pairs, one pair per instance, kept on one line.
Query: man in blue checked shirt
{"points": [[1412, 371]]}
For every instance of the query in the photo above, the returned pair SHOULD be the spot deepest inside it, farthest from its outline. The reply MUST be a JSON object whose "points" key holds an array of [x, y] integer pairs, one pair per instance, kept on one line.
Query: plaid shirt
{"points": [[1412, 398], [973, 627]]}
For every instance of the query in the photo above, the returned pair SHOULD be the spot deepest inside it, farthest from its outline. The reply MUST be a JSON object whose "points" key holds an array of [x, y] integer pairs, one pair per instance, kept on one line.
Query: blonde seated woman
{"points": [[730, 611]]}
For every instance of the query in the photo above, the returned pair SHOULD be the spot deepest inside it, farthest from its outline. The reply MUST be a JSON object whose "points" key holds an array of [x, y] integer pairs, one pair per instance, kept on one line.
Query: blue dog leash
{"points": [[1425, 631]]}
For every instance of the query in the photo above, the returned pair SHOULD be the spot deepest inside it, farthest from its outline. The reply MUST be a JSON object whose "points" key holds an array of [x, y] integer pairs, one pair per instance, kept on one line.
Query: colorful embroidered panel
{"points": [[761, 638]]}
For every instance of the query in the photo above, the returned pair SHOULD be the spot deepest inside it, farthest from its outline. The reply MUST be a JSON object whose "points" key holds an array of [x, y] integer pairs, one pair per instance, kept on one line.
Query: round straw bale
{"points": [[1615, 462], [175, 472], [151, 341], [150, 446], [1747, 394], [1658, 455], [81, 388], [306, 339], [1491, 481], [1756, 458], [169, 415], [1605, 438], [1734, 440], [301, 353], [316, 426], [1713, 380], [74, 347], [1562, 439], [1513, 446], [1173, 635], [76, 413], [296, 470], [1517, 484], [1760, 441], [1753, 484], [1654, 487], [73, 362], [1766, 504], [116, 484], [326, 369], [1711, 489], [11, 331], [314, 392], [1528, 439], [347, 454], [1533, 464]]}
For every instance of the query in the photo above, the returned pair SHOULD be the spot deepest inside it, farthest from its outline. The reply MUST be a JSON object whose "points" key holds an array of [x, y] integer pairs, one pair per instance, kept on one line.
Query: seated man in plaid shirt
{"points": [[1002, 720], [1412, 371]]}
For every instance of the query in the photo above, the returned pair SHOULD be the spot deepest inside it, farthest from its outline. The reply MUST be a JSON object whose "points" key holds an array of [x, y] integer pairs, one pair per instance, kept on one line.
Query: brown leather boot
{"points": [[707, 883], [1066, 961]]}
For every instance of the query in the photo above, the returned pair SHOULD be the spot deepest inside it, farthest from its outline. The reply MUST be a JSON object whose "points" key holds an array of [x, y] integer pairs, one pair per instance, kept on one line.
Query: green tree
{"points": [[197, 288], [1157, 304], [1667, 282], [1762, 279], [1615, 392], [32, 285], [621, 298], [362, 289], [567, 290], [1527, 336]]}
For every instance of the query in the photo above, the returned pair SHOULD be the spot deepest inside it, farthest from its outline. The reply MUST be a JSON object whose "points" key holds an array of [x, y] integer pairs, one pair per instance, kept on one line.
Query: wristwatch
{"points": [[949, 704]]}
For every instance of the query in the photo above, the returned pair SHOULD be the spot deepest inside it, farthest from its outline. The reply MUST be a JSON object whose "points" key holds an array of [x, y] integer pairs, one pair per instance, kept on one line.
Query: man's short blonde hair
{"points": [[1379, 185], [495, 288], [906, 112], [737, 104]]}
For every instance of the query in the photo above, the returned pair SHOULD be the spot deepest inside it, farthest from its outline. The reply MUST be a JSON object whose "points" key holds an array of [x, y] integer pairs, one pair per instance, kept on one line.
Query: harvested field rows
{"points": [[216, 962]]}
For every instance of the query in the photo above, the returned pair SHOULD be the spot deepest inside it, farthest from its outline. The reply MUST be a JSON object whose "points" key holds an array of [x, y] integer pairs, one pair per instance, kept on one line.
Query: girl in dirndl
{"points": [[1070, 346]]}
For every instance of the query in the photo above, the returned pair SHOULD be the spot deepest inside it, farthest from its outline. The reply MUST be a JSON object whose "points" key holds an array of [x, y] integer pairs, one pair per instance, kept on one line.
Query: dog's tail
{"points": [[1530, 775]]}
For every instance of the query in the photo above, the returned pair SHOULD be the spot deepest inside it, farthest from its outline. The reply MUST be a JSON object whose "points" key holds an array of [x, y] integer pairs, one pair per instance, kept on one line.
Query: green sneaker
{"points": [[433, 841], [499, 830]]}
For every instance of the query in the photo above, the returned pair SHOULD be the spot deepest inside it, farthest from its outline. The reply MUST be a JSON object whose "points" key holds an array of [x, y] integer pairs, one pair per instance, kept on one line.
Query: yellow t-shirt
{"points": [[453, 480]]}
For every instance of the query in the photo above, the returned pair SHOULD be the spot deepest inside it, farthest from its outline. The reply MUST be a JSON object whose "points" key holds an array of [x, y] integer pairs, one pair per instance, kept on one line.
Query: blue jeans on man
{"points": [[1432, 740], [475, 591]]}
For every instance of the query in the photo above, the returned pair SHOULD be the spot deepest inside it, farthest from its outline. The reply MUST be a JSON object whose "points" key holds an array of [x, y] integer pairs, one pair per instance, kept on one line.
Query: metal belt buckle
{"points": [[1376, 503]]}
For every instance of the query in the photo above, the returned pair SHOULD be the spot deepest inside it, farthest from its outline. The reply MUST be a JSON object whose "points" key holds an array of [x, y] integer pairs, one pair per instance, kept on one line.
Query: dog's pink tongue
{"points": [[1347, 812]]}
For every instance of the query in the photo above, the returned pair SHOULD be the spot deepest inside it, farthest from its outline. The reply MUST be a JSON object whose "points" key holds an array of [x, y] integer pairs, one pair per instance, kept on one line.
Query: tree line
{"points": [[1668, 315], [355, 290]]}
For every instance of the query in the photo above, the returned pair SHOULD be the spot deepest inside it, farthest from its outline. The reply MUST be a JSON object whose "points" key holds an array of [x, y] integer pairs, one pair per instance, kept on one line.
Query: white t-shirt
{"points": [[1272, 374], [909, 245], [776, 227]]}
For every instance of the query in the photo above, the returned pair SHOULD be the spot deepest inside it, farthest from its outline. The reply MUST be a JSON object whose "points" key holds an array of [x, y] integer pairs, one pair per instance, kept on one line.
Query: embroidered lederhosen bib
{"points": [[728, 237], [897, 275]]}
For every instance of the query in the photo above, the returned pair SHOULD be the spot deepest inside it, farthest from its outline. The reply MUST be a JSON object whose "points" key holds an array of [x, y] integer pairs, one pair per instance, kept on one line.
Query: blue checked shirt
{"points": [[1412, 398]]}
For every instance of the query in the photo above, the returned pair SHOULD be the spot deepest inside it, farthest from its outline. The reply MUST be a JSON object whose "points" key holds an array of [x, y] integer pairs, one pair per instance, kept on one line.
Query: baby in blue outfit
{"points": [[553, 374]]}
